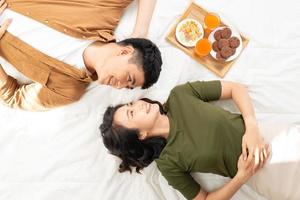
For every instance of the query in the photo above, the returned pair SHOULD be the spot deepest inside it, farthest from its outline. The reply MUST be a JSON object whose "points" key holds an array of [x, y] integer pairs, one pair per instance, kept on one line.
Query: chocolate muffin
{"points": [[215, 46], [217, 35], [234, 42], [226, 33], [226, 52], [223, 43], [219, 57]]}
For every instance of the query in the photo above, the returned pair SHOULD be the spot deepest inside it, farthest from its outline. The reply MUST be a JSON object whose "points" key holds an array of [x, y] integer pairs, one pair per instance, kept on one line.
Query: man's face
{"points": [[118, 72]]}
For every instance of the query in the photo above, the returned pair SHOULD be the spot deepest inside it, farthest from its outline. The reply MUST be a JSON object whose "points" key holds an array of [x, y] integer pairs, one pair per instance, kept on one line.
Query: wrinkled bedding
{"points": [[59, 154]]}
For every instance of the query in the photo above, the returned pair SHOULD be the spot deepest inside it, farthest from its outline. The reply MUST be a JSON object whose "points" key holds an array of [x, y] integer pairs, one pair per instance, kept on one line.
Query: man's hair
{"points": [[147, 56]]}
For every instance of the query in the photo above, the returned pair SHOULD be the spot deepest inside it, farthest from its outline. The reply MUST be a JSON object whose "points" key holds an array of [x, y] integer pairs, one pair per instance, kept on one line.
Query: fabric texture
{"points": [[85, 19], [47, 40], [59, 154], [202, 138]]}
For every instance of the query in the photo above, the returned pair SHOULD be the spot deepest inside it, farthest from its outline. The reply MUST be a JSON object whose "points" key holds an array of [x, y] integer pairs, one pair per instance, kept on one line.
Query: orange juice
{"points": [[203, 47], [211, 21]]}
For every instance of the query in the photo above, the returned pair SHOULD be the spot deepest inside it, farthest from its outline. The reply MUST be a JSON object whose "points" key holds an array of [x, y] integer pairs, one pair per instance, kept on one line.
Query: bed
{"points": [[59, 154]]}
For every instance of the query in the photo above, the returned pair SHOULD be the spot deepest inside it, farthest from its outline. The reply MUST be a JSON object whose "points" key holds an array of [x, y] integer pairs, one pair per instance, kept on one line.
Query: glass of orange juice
{"points": [[212, 21], [203, 47]]}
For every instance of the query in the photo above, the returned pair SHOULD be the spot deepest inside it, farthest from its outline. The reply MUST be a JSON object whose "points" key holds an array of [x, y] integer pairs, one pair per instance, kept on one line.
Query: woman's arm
{"points": [[144, 15], [246, 169], [252, 140]]}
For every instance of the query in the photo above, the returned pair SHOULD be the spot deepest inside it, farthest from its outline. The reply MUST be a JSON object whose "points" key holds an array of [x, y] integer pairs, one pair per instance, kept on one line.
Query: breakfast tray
{"points": [[196, 12]]}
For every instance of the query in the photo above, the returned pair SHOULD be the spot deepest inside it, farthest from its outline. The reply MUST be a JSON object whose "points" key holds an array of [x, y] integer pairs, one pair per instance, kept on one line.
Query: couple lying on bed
{"points": [[188, 134]]}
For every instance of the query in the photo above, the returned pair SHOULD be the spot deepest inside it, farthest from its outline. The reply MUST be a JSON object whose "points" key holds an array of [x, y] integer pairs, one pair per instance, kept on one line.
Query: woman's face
{"points": [[137, 115]]}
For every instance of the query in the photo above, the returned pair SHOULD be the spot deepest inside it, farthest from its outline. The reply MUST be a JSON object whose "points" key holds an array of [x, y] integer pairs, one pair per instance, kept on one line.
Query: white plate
{"points": [[182, 39], [235, 33]]}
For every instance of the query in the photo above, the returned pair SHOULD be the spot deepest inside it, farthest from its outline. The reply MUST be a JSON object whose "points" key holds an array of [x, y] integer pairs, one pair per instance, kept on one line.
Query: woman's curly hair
{"points": [[125, 143]]}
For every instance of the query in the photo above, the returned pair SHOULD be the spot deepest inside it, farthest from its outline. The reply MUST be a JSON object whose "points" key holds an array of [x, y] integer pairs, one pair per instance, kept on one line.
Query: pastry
{"points": [[223, 43], [226, 33], [219, 57], [234, 42], [226, 52], [217, 35], [215, 46]]}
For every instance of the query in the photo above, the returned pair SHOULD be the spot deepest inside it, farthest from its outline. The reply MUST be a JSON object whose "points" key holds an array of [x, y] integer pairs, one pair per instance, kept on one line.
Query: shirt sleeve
{"points": [[204, 90], [30, 97], [178, 179]]}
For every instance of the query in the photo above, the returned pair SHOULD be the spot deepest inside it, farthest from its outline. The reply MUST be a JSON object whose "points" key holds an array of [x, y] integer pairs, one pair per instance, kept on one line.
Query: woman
{"points": [[191, 135]]}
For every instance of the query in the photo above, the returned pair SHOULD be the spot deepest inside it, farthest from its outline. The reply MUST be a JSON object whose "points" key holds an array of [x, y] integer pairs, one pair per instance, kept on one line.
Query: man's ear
{"points": [[126, 50], [143, 135]]}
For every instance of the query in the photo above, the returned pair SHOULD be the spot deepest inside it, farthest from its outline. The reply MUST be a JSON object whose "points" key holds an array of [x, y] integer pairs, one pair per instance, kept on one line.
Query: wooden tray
{"points": [[194, 11]]}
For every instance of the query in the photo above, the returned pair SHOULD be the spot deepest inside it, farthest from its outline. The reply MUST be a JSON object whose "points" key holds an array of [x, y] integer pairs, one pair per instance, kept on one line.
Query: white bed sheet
{"points": [[59, 154]]}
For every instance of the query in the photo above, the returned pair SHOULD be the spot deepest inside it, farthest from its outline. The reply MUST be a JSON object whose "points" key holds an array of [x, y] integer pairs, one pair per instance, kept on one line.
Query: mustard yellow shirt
{"points": [[55, 83]]}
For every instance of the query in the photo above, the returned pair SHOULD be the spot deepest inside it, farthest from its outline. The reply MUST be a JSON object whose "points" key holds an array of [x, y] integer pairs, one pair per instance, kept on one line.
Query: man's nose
{"points": [[123, 85]]}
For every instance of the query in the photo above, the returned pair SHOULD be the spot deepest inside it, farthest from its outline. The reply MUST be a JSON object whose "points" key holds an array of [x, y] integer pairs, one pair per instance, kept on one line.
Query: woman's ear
{"points": [[143, 135]]}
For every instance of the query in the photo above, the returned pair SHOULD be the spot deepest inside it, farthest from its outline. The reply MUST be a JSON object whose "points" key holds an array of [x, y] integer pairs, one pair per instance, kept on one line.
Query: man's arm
{"points": [[3, 28], [11, 93], [144, 15], [33, 96], [3, 76]]}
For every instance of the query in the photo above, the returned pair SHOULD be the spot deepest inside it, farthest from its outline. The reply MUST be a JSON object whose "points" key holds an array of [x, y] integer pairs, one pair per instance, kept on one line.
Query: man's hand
{"points": [[4, 27], [3, 6], [6, 23]]}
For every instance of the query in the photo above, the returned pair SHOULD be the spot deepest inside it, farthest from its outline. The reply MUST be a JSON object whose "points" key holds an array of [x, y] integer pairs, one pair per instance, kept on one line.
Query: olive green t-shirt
{"points": [[203, 137]]}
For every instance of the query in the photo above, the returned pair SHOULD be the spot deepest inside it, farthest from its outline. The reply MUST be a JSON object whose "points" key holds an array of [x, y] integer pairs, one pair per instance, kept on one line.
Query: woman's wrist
{"points": [[241, 178], [250, 122]]}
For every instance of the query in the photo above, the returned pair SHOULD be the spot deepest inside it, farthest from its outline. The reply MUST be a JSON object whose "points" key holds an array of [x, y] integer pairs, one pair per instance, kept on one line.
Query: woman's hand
{"points": [[253, 142], [247, 168]]}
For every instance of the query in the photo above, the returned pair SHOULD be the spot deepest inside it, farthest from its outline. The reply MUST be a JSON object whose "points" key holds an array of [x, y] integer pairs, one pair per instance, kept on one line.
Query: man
{"points": [[62, 46]]}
